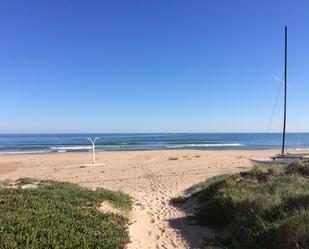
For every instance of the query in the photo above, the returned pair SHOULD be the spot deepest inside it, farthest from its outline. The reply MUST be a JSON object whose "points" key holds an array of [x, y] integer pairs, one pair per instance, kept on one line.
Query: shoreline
{"points": [[152, 178], [21, 153]]}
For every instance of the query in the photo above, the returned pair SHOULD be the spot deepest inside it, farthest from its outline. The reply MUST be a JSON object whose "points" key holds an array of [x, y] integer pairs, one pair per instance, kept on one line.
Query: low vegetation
{"points": [[262, 208], [60, 215], [205, 184], [178, 199]]}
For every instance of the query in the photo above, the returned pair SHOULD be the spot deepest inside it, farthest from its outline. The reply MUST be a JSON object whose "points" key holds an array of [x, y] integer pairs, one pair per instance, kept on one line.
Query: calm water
{"points": [[45, 143]]}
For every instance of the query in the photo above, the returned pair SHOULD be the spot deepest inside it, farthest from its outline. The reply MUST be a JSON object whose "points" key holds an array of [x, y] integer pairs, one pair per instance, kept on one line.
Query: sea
{"points": [[62, 143]]}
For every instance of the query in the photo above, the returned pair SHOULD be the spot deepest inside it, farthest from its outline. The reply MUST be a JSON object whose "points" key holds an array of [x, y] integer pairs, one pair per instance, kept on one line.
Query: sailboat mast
{"points": [[285, 87]]}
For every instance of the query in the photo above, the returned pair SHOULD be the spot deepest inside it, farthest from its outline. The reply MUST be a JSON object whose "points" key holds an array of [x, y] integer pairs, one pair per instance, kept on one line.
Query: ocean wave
{"points": [[109, 146], [24, 152], [203, 145], [61, 148]]}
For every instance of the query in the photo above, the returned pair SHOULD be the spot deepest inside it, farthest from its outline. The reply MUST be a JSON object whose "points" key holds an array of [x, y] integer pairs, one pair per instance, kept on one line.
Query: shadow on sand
{"points": [[194, 235]]}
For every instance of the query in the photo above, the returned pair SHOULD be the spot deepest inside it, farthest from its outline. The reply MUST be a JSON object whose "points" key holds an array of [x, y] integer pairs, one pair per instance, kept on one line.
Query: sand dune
{"points": [[151, 177]]}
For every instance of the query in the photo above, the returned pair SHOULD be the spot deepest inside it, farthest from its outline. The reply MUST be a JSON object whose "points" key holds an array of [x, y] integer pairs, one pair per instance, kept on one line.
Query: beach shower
{"points": [[93, 148]]}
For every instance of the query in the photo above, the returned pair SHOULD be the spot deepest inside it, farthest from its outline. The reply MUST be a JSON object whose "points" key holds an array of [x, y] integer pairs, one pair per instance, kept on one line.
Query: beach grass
{"points": [[263, 208], [178, 199], [54, 214], [205, 184]]}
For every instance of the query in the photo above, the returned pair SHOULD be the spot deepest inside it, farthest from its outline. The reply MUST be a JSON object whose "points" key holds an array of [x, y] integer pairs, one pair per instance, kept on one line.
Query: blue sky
{"points": [[151, 65]]}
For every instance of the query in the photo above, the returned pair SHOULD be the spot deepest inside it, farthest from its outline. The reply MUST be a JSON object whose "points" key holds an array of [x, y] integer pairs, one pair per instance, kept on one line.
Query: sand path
{"points": [[163, 225], [151, 177]]}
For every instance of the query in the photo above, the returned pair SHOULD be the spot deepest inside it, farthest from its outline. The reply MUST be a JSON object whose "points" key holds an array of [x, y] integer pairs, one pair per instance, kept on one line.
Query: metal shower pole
{"points": [[93, 148]]}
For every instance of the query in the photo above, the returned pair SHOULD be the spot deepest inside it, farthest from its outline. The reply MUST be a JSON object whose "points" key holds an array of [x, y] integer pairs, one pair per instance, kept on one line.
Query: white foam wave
{"points": [[203, 145], [60, 148]]}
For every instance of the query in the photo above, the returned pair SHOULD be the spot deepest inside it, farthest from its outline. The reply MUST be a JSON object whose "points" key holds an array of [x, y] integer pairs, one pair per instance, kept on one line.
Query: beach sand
{"points": [[151, 177]]}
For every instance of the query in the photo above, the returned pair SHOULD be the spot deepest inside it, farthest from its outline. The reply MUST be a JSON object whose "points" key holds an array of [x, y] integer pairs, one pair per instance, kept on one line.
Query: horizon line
{"points": [[210, 132]]}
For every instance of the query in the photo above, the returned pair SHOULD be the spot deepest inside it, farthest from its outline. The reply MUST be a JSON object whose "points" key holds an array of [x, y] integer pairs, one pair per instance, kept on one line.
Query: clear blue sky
{"points": [[151, 65]]}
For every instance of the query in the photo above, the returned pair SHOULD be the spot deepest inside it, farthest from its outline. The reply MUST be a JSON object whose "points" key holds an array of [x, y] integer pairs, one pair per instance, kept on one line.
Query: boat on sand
{"points": [[283, 158]]}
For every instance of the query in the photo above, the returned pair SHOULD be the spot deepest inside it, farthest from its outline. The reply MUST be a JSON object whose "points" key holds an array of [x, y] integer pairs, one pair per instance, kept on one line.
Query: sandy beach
{"points": [[151, 177]]}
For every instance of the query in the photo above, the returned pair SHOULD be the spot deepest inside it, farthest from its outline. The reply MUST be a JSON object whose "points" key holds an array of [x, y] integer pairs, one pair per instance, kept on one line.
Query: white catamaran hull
{"points": [[269, 162], [284, 159]]}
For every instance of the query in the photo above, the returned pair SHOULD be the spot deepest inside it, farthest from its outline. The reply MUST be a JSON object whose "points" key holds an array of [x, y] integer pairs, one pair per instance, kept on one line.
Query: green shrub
{"points": [[299, 167], [216, 213], [293, 233], [178, 199], [275, 169], [205, 184], [61, 215], [24, 181], [260, 205]]}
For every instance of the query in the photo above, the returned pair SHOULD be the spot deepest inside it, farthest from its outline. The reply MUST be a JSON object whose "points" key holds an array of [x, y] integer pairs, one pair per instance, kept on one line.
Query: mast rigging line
{"points": [[292, 87], [274, 108]]}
